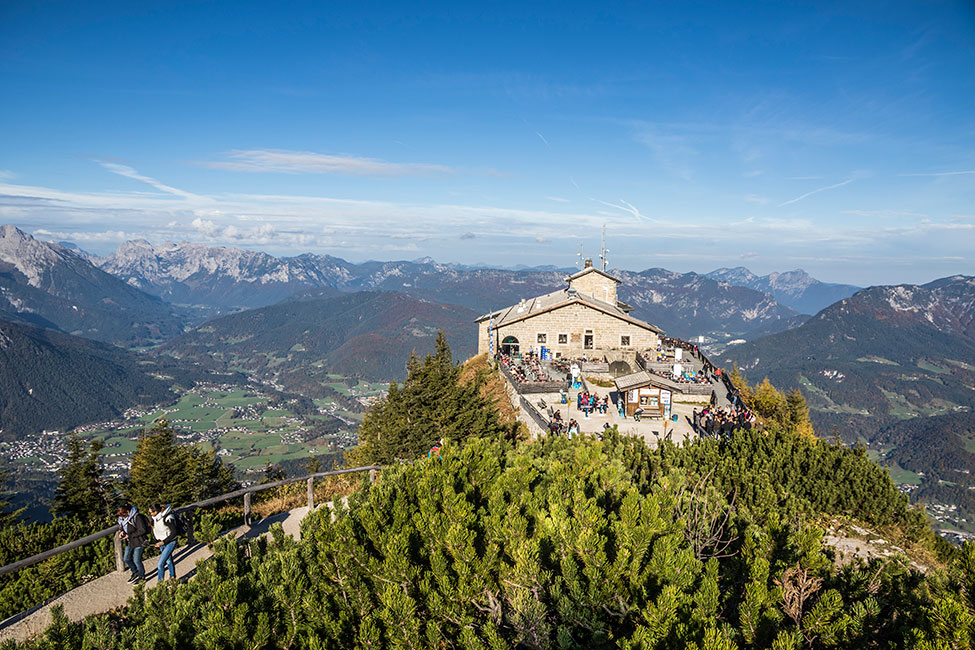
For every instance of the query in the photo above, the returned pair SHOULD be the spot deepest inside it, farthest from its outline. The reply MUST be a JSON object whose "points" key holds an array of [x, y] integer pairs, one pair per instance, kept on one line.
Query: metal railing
{"points": [[243, 492]]}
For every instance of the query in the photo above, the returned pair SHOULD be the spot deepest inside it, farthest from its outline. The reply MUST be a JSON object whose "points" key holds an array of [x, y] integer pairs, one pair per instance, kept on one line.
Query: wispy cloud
{"points": [[963, 172], [309, 162], [542, 138], [558, 199], [754, 198], [371, 229], [128, 172], [816, 191], [626, 207]]}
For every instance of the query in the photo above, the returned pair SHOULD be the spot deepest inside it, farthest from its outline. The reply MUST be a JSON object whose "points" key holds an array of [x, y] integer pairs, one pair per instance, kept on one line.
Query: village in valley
{"points": [[249, 426]]}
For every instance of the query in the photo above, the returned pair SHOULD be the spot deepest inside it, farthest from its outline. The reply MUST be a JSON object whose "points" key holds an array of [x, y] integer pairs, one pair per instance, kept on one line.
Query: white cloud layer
{"points": [[369, 229]]}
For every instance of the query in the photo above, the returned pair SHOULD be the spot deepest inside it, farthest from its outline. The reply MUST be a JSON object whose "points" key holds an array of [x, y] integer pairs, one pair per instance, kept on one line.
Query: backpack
{"points": [[178, 523], [141, 526]]}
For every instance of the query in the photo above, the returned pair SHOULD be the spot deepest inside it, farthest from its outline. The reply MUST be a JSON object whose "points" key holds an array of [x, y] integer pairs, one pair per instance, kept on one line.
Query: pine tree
{"points": [[165, 471], [82, 491], [433, 404], [161, 471], [212, 476], [314, 465], [8, 516], [798, 413], [272, 473]]}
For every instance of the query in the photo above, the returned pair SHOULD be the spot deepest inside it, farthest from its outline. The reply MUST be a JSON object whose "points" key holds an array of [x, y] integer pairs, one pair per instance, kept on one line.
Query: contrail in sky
{"points": [[822, 189]]}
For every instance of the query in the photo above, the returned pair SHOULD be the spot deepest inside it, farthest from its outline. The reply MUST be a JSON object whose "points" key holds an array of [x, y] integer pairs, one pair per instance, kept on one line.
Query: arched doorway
{"points": [[619, 368], [509, 345]]}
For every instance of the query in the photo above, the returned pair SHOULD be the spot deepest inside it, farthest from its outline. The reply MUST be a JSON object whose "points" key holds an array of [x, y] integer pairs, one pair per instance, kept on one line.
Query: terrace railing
{"points": [[243, 492]]}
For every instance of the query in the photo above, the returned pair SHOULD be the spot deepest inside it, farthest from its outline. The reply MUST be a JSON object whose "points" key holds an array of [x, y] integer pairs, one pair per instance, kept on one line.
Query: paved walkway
{"points": [[650, 430], [112, 591]]}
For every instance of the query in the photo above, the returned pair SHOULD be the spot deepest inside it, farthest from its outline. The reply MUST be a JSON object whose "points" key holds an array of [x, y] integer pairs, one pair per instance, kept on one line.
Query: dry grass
{"points": [[289, 497], [493, 387]]}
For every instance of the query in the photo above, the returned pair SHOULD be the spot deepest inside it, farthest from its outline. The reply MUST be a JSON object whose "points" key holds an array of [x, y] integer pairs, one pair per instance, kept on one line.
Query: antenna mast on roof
{"points": [[582, 260], [602, 253]]}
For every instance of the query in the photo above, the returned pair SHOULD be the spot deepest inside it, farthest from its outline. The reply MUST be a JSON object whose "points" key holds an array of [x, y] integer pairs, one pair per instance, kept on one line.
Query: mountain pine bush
{"points": [[561, 544]]}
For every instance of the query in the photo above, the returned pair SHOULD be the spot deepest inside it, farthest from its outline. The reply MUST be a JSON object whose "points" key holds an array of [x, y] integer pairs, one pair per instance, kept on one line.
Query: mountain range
{"points": [[49, 285], [900, 351], [795, 289], [684, 304], [892, 367]]}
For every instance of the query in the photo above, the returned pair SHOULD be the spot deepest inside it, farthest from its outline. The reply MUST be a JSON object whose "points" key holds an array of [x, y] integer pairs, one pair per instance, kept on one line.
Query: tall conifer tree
{"points": [[165, 471], [8, 516], [433, 404], [82, 491]]}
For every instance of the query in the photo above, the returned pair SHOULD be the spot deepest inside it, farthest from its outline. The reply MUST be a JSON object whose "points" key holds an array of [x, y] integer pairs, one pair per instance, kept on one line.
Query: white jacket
{"points": [[160, 530]]}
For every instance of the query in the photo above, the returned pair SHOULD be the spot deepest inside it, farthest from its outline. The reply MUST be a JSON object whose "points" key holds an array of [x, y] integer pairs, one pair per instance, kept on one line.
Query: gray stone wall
{"points": [[572, 321], [598, 286]]}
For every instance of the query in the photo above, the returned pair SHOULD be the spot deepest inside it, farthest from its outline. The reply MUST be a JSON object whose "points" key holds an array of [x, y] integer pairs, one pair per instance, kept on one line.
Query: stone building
{"points": [[585, 318]]}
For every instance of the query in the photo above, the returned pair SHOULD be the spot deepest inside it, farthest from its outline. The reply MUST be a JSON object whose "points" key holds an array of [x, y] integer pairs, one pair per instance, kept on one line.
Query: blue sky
{"points": [[839, 138]]}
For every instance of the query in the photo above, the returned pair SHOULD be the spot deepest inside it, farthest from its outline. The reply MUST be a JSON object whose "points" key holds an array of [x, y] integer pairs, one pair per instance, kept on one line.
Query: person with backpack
{"points": [[165, 530], [133, 526]]}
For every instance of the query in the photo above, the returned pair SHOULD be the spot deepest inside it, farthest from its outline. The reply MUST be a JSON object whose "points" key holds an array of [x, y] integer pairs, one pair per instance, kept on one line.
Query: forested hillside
{"points": [[368, 334], [50, 380]]}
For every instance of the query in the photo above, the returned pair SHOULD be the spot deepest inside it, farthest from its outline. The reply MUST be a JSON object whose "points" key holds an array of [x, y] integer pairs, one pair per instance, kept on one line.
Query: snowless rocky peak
{"points": [[791, 281], [28, 255], [737, 276], [139, 261]]}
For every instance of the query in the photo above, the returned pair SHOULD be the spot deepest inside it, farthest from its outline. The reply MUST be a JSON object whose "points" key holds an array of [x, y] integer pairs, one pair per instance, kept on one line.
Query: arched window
{"points": [[509, 345]]}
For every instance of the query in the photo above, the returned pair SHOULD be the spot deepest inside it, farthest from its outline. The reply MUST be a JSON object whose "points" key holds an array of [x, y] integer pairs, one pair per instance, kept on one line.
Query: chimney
{"points": [[588, 264]]}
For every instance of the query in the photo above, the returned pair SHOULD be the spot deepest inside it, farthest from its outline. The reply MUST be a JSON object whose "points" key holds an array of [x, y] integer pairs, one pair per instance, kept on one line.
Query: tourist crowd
{"points": [[591, 403], [525, 370], [721, 422]]}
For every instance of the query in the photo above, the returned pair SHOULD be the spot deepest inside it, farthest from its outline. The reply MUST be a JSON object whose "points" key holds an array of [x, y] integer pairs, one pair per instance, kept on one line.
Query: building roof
{"points": [[556, 300], [636, 380], [592, 269], [644, 378]]}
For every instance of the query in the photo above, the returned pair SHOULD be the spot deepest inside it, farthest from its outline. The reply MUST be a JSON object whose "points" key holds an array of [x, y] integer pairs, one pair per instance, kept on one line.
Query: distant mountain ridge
{"points": [[196, 274], [684, 304], [796, 289], [901, 339], [48, 284]]}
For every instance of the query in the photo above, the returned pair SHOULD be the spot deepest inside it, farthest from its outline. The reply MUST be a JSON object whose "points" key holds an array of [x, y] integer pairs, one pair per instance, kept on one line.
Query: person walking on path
{"points": [[133, 528], [164, 530]]}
